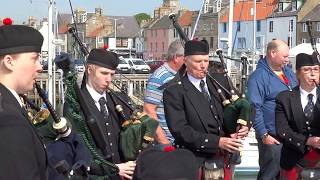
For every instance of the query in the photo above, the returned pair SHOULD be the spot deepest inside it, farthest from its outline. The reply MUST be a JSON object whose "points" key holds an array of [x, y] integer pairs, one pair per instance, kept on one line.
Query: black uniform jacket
{"points": [[195, 123], [112, 126], [293, 128], [22, 154]]}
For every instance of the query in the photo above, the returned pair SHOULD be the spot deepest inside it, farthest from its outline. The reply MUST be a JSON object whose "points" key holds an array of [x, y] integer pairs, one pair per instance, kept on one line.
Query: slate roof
{"points": [[313, 15], [127, 26]]}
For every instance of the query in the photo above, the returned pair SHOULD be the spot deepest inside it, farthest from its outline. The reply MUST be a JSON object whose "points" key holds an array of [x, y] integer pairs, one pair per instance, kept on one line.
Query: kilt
{"points": [[310, 160], [224, 173]]}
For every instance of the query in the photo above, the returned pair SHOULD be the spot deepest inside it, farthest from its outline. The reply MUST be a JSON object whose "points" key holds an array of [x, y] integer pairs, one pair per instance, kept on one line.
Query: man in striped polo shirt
{"points": [[153, 102]]}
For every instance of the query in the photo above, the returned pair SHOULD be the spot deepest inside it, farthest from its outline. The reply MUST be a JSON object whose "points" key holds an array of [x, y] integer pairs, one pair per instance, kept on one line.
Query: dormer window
{"points": [[294, 5], [280, 6]]}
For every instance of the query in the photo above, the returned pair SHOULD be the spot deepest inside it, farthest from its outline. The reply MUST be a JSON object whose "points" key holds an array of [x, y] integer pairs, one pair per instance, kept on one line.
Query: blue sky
{"points": [[20, 10]]}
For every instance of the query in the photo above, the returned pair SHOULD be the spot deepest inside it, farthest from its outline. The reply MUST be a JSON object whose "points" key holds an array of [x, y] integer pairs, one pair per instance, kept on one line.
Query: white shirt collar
{"points": [[94, 94], [196, 82], [304, 96], [15, 94]]}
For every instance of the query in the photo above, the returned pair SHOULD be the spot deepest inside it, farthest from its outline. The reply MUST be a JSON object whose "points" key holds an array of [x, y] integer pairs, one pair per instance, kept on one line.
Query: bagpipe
{"points": [[236, 110], [137, 129], [67, 155], [312, 39], [40, 114]]}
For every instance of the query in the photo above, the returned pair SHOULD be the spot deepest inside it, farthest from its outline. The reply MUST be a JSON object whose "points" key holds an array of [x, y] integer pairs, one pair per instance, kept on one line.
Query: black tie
{"points": [[24, 111], [204, 91], [103, 109], [308, 110]]}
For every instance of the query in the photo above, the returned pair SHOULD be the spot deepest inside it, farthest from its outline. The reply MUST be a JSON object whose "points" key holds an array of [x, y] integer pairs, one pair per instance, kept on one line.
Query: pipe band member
{"points": [[22, 152], [100, 69], [194, 114], [298, 120]]}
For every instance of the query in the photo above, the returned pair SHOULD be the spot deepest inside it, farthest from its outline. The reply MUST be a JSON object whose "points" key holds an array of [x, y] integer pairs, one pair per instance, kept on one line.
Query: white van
{"points": [[123, 66], [138, 65]]}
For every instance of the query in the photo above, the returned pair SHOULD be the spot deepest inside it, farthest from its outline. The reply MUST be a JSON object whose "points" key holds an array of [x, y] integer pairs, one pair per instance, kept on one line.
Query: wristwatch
{"points": [[264, 136]]}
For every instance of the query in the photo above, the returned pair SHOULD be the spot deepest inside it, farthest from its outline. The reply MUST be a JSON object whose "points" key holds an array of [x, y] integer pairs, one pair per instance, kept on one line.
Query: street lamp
{"points": [[115, 30]]}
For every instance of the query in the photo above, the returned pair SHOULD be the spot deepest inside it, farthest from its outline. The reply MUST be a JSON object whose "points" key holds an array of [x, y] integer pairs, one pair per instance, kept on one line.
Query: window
{"points": [[294, 5], [156, 46], [280, 7], [241, 43], [122, 42], [133, 43], [100, 39], [206, 7], [318, 40], [118, 42], [151, 47], [304, 27], [224, 45], [83, 18], [271, 26], [303, 40], [224, 27], [211, 26], [258, 26], [259, 42], [205, 27], [290, 41], [238, 26], [211, 42], [162, 46], [156, 32], [318, 26], [291, 26]]}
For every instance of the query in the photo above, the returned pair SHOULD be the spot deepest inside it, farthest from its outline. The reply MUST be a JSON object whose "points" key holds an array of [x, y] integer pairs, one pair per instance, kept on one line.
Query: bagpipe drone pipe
{"points": [[312, 39], [138, 129]]}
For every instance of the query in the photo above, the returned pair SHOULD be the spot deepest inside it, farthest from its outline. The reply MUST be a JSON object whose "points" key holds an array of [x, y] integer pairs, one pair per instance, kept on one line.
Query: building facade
{"points": [[302, 26]]}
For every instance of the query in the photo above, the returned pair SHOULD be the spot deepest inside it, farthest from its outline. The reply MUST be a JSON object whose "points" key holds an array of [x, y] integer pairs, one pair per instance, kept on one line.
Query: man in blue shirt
{"points": [[153, 102], [271, 77]]}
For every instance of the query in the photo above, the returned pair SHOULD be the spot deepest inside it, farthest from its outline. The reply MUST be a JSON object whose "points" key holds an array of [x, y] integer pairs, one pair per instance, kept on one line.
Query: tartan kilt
{"points": [[224, 173], [310, 160]]}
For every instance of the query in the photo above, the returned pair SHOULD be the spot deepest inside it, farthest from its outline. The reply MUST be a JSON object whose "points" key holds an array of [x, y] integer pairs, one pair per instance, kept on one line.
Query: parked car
{"points": [[45, 65], [138, 65], [154, 64], [123, 66], [79, 65]]}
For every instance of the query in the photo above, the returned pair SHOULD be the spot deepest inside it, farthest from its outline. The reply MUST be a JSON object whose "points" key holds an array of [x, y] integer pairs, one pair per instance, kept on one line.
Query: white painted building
{"points": [[45, 46]]}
